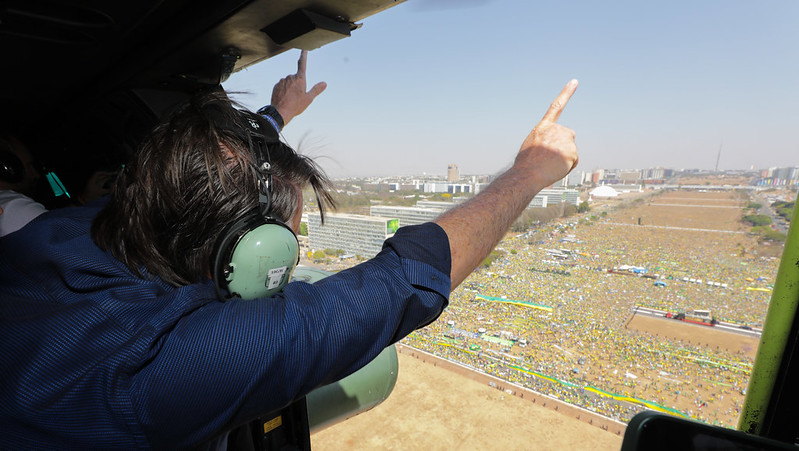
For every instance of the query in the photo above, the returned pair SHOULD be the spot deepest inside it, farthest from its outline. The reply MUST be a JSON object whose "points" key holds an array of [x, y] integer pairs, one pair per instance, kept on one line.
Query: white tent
{"points": [[604, 191]]}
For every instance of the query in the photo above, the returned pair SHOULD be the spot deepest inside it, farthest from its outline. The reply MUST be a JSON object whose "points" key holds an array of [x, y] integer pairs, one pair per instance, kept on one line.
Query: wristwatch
{"points": [[271, 114]]}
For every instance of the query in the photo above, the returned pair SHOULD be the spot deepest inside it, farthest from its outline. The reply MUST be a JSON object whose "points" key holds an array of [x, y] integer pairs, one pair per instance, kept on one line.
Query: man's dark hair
{"points": [[189, 180]]}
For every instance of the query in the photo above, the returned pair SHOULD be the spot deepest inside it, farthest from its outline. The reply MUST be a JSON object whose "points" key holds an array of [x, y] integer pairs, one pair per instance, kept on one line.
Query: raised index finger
{"points": [[301, 64], [553, 113]]}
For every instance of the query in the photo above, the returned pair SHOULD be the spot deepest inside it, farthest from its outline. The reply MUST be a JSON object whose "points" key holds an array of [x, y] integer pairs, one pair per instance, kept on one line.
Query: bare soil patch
{"points": [[695, 334], [432, 408]]}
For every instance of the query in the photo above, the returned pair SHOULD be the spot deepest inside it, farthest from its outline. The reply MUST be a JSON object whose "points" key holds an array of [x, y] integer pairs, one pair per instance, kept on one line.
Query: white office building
{"points": [[406, 215], [353, 234], [441, 205], [574, 178], [553, 196], [435, 187], [458, 188]]}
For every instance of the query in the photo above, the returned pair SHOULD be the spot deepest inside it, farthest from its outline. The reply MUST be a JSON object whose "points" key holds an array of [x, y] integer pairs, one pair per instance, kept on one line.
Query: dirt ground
{"points": [[432, 408], [696, 334]]}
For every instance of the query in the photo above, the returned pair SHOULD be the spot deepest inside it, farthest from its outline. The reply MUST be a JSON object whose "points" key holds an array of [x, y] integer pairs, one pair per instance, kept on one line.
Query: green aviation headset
{"points": [[255, 256]]}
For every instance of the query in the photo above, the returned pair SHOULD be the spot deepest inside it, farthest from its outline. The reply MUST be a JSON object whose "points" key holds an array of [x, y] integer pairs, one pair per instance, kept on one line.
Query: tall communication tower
{"points": [[718, 157]]}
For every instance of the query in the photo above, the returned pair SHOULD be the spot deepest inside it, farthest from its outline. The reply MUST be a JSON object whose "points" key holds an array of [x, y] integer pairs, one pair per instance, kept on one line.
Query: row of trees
{"points": [[543, 215], [784, 209], [757, 220], [761, 224]]}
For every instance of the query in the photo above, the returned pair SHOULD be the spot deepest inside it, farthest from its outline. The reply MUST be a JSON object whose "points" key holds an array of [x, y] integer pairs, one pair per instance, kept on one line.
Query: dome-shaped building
{"points": [[603, 191]]}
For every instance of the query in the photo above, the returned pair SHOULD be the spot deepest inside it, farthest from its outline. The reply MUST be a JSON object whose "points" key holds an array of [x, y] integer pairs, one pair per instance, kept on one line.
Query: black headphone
{"points": [[11, 168], [255, 256]]}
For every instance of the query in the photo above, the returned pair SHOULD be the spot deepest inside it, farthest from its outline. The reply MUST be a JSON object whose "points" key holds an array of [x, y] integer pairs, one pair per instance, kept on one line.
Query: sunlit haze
{"points": [[430, 83]]}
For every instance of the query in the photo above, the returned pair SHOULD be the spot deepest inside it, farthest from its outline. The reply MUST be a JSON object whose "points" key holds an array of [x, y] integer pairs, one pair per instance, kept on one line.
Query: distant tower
{"points": [[718, 157], [452, 173]]}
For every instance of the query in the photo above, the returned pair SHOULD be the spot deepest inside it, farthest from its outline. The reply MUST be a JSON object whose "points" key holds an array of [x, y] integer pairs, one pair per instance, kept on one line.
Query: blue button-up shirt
{"points": [[93, 356]]}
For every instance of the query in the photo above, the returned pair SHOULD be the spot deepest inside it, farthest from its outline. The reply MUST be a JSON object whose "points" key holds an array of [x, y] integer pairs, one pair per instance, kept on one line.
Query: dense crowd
{"points": [[582, 351]]}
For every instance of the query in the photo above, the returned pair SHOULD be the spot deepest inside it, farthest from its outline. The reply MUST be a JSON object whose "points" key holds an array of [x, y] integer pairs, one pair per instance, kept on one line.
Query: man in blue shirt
{"points": [[113, 333]]}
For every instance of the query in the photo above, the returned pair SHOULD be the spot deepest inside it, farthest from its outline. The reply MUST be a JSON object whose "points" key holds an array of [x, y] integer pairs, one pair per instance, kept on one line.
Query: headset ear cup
{"points": [[256, 258], [225, 244]]}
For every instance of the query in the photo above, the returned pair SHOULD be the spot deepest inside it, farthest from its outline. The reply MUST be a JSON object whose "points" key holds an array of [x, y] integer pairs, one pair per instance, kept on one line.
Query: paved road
{"points": [[766, 209]]}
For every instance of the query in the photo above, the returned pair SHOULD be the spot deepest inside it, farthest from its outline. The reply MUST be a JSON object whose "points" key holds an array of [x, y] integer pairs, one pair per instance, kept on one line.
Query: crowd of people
{"points": [[582, 351]]}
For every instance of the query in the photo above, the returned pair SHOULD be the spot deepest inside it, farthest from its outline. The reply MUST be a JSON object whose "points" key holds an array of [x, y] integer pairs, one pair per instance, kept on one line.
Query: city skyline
{"points": [[444, 174], [681, 85]]}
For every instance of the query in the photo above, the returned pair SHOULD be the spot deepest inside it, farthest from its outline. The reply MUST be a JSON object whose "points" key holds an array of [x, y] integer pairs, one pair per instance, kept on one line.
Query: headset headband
{"points": [[263, 162], [253, 131]]}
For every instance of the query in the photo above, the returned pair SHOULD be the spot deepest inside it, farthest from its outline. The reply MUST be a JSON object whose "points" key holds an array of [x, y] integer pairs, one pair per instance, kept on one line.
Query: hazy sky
{"points": [[429, 83]]}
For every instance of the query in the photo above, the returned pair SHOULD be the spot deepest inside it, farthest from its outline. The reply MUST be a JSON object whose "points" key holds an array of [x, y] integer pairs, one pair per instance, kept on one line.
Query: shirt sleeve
{"points": [[18, 210], [228, 362], [424, 243]]}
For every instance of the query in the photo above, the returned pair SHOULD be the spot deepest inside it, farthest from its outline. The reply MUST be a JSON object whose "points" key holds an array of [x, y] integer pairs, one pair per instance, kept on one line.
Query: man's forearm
{"points": [[546, 155], [475, 227]]}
